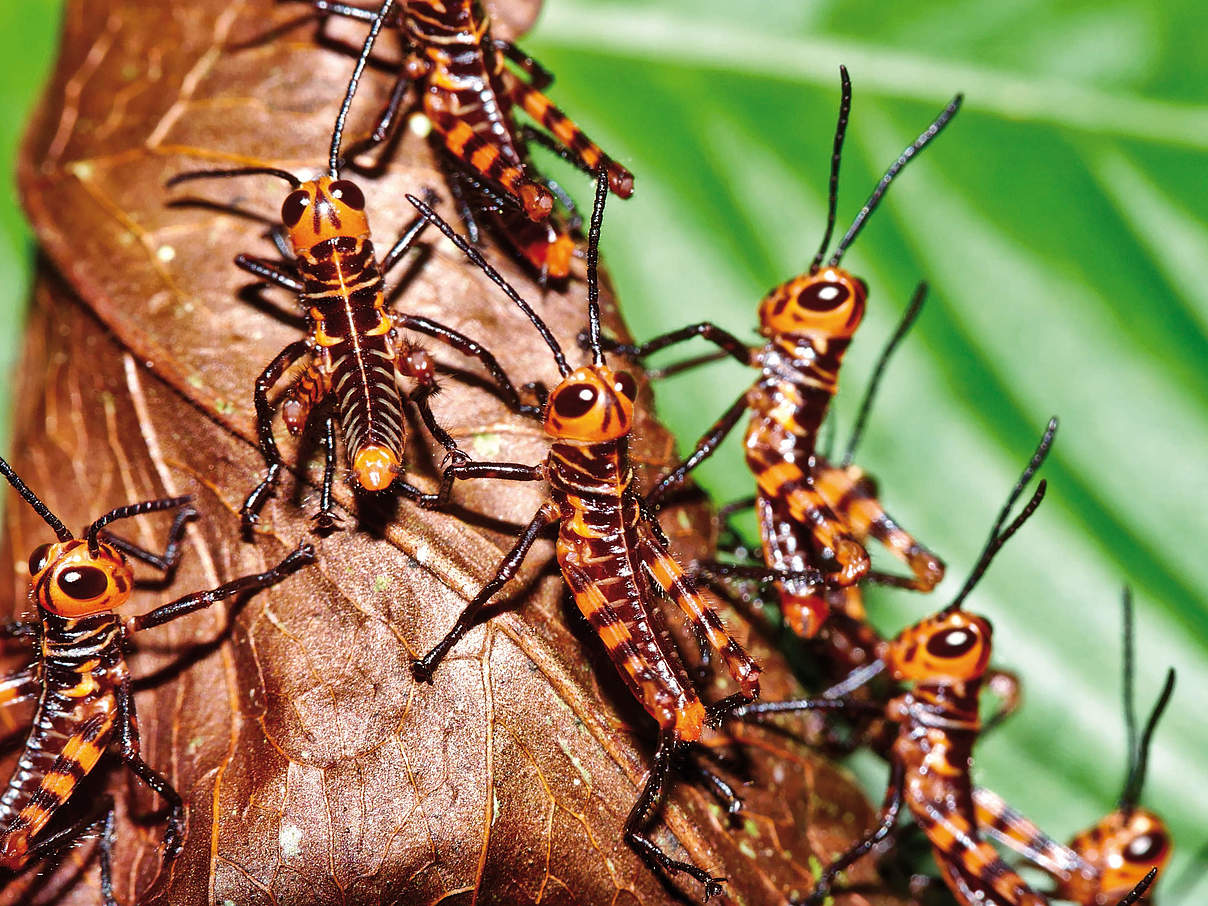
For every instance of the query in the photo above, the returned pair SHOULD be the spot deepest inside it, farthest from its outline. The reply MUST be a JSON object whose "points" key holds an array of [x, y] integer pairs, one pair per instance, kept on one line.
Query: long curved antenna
{"points": [[998, 535], [176, 180], [593, 267], [854, 680], [832, 199], [131, 509], [1129, 686], [883, 186], [61, 531], [337, 133], [1136, 780], [878, 371], [481, 263]]}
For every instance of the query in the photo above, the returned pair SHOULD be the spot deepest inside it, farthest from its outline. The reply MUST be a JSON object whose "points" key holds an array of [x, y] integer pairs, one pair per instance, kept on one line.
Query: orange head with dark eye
{"points": [[323, 209], [593, 404], [828, 303], [70, 581], [1123, 847], [947, 647]]}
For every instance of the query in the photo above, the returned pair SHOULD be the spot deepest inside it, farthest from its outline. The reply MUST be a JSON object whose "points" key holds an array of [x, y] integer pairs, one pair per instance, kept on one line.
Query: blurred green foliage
{"points": [[1063, 228], [1061, 223], [27, 41]]}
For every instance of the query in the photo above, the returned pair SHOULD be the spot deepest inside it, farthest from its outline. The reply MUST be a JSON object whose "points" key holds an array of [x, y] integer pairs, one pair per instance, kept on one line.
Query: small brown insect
{"points": [[355, 343], [945, 659], [80, 679], [611, 552], [808, 322], [469, 96]]}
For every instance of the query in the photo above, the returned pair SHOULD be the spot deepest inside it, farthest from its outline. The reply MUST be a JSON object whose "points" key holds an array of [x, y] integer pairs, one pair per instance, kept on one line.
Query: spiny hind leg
{"points": [[999, 820], [583, 151], [128, 747], [487, 159], [250, 512], [693, 763], [103, 817], [327, 518], [704, 620], [539, 77], [853, 497], [461, 185], [640, 817], [838, 552]]}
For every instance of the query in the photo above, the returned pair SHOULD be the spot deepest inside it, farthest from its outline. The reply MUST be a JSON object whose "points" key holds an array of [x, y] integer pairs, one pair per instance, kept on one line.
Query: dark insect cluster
{"points": [[358, 372]]}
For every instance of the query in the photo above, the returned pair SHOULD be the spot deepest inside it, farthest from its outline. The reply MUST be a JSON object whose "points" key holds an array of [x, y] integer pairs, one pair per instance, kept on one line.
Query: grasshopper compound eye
{"points": [[829, 304], [592, 406], [40, 558], [72, 582]]}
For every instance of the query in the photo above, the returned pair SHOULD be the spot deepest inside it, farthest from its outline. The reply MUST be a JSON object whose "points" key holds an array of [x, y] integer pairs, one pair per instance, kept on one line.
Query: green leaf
{"points": [[27, 41], [1061, 224]]}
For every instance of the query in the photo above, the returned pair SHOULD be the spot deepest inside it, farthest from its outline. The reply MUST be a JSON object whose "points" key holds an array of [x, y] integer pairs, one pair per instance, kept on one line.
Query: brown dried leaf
{"points": [[315, 770]]}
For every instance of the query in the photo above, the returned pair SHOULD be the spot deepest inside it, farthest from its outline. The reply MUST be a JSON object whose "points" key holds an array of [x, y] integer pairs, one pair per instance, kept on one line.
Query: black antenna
{"points": [[1134, 895], [176, 180], [832, 203], [481, 263], [60, 530], [904, 325], [593, 267], [1140, 757], [1129, 687], [883, 186], [337, 134], [131, 509], [998, 535]]}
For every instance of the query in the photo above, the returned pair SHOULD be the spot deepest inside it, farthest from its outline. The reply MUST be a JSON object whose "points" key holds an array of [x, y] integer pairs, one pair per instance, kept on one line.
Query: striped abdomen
{"points": [[81, 666], [939, 725], [788, 404], [853, 496], [788, 547], [598, 540], [798, 381], [352, 331], [998, 819]]}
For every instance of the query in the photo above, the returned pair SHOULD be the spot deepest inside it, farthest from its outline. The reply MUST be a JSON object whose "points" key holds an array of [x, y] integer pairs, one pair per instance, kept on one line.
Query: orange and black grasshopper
{"points": [[80, 679], [832, 619], [611, 552], [1104, 862], [355, 343], [945, 658], [468, 94], [808, 323]]}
